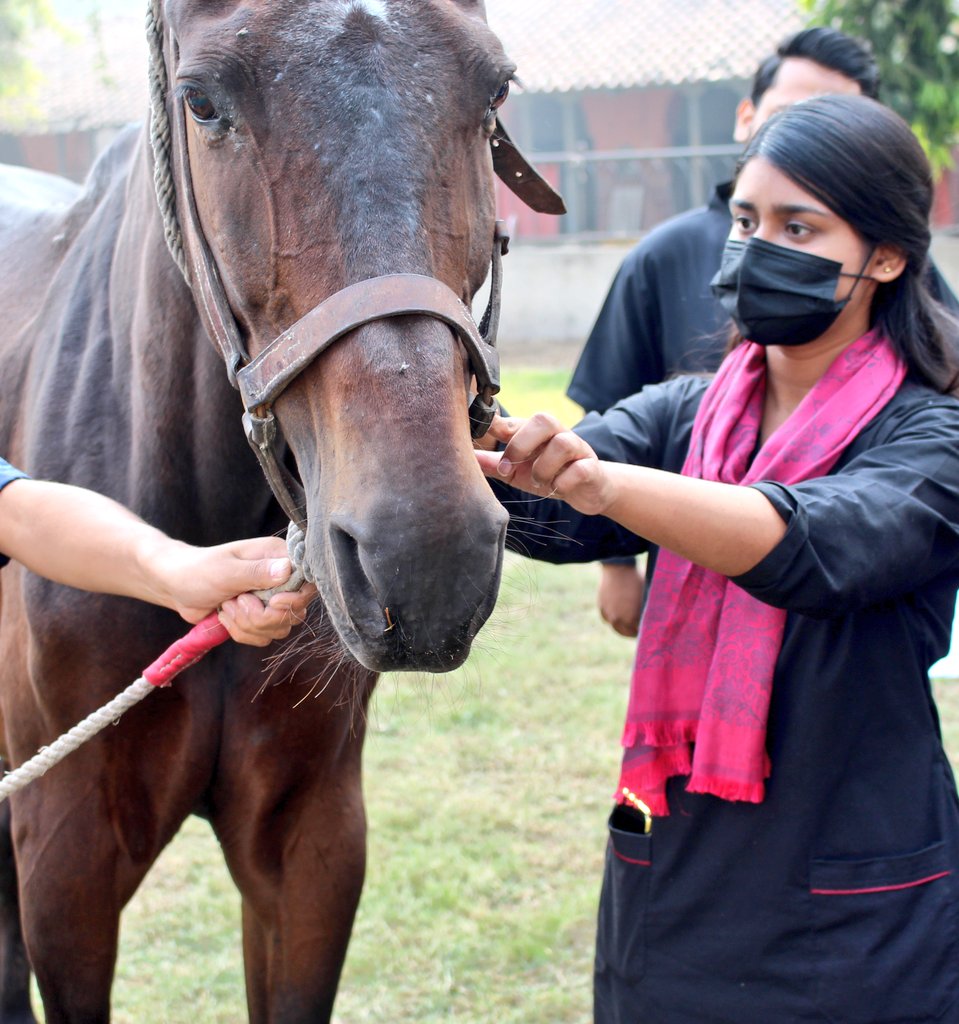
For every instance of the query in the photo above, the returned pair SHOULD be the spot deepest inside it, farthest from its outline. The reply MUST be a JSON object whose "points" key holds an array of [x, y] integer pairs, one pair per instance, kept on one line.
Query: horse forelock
{"points": [[385, 85], [378, 9], [362, 111]]}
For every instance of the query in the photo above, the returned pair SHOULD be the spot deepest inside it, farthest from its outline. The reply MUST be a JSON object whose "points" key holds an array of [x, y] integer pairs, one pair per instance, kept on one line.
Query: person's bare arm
{"points": [[620, 596], [85, 540], [722, 527]]}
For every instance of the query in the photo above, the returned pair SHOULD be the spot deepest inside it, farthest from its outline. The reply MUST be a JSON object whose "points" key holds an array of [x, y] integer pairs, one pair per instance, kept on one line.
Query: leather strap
{"points": [[266, 377], [263, 379], [204, 280], [519, 175]]}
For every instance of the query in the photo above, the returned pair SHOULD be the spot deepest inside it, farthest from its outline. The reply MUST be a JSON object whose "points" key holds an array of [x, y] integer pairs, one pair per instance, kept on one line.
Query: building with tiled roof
{"points": [[631, 103], [627, 104], [93, 75]]}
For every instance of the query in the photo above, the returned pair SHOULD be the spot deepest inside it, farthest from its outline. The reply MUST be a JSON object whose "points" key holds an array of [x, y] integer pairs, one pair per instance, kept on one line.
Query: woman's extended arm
{"points": [[85, 540], [722, 527]]}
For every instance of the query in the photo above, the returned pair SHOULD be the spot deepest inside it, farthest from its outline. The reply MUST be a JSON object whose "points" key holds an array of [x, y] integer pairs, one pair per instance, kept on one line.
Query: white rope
{"points": [[296, 548], [160, 138], [172, 661], [69, 741]]}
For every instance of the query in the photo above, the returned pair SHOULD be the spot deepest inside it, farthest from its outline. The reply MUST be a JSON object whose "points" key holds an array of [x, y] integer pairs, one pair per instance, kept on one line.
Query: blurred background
{"points": [[626, 106]]}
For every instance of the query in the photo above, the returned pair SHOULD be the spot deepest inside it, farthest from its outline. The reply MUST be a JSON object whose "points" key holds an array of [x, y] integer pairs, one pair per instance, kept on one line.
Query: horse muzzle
{"points": [[410, 597]]}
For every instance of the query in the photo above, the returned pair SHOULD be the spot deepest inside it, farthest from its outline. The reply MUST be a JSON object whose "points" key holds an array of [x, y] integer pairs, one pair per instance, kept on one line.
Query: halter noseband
{"points": [[262, 380]]}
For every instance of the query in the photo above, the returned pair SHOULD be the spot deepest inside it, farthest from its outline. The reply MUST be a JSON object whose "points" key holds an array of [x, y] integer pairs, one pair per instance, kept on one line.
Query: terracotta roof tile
{"points": [[615, 44], [98, 79]]}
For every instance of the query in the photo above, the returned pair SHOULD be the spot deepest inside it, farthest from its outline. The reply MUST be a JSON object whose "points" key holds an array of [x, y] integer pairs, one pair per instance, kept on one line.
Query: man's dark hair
{"points": [[851, 57]]}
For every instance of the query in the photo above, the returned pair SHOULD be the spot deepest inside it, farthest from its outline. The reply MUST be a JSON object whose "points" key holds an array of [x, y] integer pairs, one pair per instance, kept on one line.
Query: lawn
{"points": [[487, 793]]}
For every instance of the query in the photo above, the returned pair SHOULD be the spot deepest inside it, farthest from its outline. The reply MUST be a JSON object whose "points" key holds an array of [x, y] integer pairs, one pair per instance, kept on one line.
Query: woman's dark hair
{"points": [[862, 161]]}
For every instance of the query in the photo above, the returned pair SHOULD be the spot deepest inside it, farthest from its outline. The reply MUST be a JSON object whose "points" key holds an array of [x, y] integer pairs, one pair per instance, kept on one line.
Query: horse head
{"points": [[318, 147]]}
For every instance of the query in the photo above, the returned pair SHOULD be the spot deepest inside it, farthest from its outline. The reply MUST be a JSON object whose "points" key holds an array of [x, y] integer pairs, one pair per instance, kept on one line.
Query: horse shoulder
{"points": [[42, 216]]}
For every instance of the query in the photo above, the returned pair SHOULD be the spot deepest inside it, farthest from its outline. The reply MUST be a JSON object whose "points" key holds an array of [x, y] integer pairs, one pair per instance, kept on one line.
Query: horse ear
{"points": [[519, 175], [475, 8]]}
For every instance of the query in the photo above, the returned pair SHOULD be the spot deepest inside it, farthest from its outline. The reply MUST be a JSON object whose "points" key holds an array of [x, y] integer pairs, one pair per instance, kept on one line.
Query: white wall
{"points": [[945, 251], [551, 294]]}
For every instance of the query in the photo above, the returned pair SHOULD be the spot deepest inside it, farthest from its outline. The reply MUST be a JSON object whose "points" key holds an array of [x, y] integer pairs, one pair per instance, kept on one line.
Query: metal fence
{"points": [[624, 193]]}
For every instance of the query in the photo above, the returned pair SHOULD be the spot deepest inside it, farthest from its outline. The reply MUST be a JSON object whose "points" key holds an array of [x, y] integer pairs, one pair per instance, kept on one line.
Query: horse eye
{"points": [[201, 106], [500, 98]]}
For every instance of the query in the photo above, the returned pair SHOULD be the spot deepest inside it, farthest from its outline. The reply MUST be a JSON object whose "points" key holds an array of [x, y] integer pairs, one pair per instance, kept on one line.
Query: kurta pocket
{"points": [[621, 930], [886, 937]]}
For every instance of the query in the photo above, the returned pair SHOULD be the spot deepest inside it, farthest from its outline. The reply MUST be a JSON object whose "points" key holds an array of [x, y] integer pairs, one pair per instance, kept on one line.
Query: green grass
{"points": [[487, 793], [525, 391]]}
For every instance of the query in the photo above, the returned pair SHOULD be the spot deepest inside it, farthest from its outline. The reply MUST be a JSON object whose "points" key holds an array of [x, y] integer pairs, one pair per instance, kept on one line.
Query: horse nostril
{"points": [[349, 569]]}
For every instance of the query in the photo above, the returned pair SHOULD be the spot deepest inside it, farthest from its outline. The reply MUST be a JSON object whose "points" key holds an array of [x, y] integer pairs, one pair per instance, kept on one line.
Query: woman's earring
{"points": [[887, 270]]}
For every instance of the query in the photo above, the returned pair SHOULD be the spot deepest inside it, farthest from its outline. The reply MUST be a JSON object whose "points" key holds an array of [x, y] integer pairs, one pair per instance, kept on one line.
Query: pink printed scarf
{"points": [[707, 650]]}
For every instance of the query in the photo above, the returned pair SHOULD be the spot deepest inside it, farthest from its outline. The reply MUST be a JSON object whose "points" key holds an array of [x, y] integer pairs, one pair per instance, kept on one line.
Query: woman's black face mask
{"points": [[779, 296]]}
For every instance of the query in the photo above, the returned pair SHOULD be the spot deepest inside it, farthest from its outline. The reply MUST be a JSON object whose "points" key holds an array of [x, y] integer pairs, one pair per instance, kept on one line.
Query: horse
{"points": [[305, 218]]}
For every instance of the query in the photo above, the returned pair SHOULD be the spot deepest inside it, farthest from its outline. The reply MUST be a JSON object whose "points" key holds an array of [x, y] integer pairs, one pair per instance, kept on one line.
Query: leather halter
{"points": [[261, 380]]}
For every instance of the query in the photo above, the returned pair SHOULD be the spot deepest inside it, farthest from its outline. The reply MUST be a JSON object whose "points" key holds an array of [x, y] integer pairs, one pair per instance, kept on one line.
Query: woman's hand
{"points": [[719, 526], [545, 458]]}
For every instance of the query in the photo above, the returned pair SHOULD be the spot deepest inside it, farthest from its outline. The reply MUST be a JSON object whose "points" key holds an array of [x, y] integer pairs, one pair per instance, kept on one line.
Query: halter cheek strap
{"points": [[519, 175]]}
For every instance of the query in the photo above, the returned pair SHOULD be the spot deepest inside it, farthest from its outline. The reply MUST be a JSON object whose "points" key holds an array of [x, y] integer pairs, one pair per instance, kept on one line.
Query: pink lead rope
{"points": [[186, 651]]}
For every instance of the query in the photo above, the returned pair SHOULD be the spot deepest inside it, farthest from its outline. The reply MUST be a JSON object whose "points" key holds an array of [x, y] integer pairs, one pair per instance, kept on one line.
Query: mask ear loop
{"points": [[859, 277]]}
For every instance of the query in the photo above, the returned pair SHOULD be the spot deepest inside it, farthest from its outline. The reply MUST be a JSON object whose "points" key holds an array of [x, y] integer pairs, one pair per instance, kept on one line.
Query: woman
{"points": [[785, 845]]}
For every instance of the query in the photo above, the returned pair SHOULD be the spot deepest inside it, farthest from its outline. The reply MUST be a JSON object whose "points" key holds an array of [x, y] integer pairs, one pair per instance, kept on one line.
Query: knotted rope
{"points": [[186, 651], [160, 137]]}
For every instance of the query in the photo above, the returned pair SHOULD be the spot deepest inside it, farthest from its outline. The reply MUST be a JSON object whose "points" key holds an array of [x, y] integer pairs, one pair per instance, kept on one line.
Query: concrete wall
{"points": [[551, 294], [945, 251]]}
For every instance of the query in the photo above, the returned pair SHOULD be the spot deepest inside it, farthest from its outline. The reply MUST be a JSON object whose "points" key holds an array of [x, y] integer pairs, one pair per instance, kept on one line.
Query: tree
{"points": [[916, 43], [18, 18]]}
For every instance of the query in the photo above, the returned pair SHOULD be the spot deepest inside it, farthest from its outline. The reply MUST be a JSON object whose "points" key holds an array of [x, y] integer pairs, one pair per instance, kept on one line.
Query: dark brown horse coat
{"points": [[329, 142]]}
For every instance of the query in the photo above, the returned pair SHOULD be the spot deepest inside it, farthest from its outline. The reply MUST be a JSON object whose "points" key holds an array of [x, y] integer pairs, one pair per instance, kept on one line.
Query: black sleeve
{"points": [[8, 474], [885, 524], [648, 429], [660, 316], [623, 352], [940, 290]]}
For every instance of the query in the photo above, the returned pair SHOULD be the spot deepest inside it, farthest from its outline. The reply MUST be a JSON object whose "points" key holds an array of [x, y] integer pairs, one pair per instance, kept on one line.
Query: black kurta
{"points": [[837, 898]]}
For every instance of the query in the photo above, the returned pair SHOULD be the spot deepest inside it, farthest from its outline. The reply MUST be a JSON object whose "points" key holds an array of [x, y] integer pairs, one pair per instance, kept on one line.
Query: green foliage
{"points": [[917, 45], [18, 18]]}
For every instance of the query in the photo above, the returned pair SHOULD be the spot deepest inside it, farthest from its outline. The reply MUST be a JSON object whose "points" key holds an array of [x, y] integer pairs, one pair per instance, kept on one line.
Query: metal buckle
{"points": [[482, 411]]}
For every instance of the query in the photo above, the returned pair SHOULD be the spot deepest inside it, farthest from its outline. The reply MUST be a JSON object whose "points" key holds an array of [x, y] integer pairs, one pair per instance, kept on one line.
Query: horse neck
{"points": [[183, 411]]}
